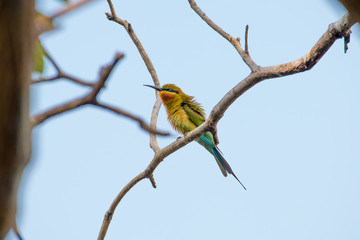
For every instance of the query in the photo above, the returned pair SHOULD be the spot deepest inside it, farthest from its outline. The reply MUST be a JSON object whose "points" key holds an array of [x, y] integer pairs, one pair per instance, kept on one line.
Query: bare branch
{"points": [[236, 43], [154, 116], [41, 80], [112, 9], [70, 7], [246, 39], [128, 115], [150, 67], [152, 180], [38, 119], [89, 98], [346, 40], [49, 57], [74, 79], [136, 41], [60, 74], [158, 158], [109, 213], [335, 31], [213, 131]]}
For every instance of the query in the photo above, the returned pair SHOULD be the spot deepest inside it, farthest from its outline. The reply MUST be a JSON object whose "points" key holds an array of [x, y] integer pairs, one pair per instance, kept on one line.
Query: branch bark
{"points": [[335, 31]]}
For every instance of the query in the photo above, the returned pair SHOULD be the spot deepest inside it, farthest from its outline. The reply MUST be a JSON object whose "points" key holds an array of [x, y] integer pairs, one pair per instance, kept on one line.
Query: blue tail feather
{"points": [[223, 164]]}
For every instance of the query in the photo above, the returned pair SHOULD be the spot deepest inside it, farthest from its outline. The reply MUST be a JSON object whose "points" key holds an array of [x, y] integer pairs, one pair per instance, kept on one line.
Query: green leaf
{"points": [[38, 57]]}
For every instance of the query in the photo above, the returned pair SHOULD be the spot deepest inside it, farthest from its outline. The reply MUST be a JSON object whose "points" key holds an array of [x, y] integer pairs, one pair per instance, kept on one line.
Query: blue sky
{"points": [[293, 141]]}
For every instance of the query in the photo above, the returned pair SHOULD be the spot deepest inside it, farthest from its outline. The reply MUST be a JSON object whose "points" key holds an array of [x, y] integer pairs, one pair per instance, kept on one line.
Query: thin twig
{"points": [[129, 115], [60, 74], [347, 40], [75, 80], [46, 53], [128, 27], [246, 39], [69, 7], [152, 180], [236, 43], [41, 80], [112, 9]]}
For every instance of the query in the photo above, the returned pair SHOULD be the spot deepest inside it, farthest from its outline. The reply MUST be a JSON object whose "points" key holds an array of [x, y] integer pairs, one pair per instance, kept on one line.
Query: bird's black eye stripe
{"points": [[170, 90]]}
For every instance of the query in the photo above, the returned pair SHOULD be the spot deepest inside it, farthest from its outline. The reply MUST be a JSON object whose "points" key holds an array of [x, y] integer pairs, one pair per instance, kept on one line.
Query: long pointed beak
{"points": [[154, 87]]}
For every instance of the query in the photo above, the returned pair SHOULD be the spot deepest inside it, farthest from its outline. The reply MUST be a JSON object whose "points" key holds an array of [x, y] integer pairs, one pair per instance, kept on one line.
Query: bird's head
{"points": [[169, 92]]}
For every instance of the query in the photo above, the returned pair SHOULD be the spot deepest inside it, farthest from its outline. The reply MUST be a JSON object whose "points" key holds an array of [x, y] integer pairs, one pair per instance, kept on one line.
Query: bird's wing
{"points": [[194, 112], [197, 115]]}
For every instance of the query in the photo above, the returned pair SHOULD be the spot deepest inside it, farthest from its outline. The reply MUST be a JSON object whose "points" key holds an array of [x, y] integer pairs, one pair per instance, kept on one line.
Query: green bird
{"points": [[184, 115]]}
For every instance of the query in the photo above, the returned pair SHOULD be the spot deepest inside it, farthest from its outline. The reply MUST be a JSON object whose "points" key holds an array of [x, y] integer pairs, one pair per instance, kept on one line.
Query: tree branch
{"points": [[60, 73], [305, 63], [91, 98], [134, 38], [128, 115], [258, 74], [235, 42], [69, 7], [150, 67]]}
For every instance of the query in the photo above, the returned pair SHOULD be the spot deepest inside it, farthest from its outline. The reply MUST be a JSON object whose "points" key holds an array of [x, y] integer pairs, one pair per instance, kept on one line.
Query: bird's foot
{"points": [[181, 136]]}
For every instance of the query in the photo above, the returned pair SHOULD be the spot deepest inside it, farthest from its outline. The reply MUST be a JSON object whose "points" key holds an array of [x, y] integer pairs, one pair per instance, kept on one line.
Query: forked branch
{"points": [[234, 41], [59, 73], [91, 98]]}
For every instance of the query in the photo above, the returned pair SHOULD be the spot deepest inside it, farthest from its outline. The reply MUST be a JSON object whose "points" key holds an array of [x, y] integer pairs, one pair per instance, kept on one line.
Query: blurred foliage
{"points": [[42, 24], [39, 55]]}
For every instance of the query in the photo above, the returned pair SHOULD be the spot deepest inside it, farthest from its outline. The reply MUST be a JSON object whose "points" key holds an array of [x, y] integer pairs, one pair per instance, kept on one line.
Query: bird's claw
{"points": [[181, 136]]}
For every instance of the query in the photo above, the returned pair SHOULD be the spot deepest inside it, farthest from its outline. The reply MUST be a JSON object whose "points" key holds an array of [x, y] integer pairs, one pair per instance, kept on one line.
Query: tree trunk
{"points": [[16, 47]]}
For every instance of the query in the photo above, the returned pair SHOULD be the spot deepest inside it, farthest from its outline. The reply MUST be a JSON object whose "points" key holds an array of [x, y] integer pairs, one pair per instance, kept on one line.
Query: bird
{"points": [[185, 114]]}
